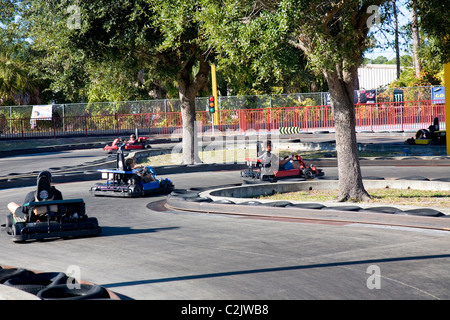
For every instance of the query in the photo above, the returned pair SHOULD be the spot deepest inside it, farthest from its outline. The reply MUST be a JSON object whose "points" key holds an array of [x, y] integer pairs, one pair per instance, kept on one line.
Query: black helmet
{"points": [[45, 173]]}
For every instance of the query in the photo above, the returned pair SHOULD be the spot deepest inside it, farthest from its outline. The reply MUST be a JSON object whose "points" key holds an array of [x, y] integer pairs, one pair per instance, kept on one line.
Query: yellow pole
{"points": [[214, 93], [447, 104]]}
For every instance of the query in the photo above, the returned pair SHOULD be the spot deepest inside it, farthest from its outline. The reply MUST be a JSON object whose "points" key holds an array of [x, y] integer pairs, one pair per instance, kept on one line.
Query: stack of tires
{"points": [[51, 285]]}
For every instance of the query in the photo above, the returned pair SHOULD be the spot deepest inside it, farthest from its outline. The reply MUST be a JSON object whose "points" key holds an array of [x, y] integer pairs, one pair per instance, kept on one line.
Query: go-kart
{"points": [[139, 144], [47, 219], [260, 172], [430, 136], [126, 182], [427, 137]]}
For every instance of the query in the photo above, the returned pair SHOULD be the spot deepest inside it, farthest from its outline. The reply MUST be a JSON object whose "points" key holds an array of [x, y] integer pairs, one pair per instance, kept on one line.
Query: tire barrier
{"points": [[391, 210], [35, 282], [52, 285], [425, 212], [9, 273], [64, 292], [228, 198]]}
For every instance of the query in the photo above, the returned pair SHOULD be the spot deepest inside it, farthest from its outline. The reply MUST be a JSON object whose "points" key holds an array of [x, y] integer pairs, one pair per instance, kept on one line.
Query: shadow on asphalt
{"points": [[118, 231], [288, 268]]}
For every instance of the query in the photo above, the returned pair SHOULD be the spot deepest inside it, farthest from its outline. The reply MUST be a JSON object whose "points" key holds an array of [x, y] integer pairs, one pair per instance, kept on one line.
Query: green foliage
{"points": [[435, 21], [252, 48], [408, 79]]}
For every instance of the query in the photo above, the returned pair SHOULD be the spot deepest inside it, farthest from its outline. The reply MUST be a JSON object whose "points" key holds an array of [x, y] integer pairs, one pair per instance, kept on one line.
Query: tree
{"points": [[159, 37], [253, 54], [181, 51], [415, 37], [333, 36], [435, 21], [18, 83]]}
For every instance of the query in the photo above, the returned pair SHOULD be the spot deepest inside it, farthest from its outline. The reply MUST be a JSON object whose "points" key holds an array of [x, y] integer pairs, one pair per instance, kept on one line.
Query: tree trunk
{"points": [[341, 86], [415, 38], [190, 153], [188, 89], [396, 42]]}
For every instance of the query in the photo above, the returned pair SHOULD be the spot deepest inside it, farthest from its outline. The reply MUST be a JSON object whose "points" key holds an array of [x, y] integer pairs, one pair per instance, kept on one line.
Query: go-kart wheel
{"points": [[16, 228], [137, 189], [9, 220], [166, 186], [9, 223], [308, 173]]}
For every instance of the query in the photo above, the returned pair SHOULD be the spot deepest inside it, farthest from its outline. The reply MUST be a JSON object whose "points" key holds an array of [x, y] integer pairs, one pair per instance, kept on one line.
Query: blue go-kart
{"points": [[129, 183]]}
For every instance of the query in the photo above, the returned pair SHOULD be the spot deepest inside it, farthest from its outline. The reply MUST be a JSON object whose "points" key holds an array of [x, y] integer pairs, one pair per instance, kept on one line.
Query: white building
{"points": [[374, 76]]}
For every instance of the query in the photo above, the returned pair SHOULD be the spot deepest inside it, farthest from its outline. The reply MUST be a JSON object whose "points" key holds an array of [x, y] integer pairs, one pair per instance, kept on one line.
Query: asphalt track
{"points": [[149, 252]]}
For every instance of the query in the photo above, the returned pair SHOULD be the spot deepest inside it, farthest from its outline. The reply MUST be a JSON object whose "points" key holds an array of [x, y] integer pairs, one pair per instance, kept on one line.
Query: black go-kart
{"points": [[258, 172], [130, 183], [49, 219], [430, 136]]}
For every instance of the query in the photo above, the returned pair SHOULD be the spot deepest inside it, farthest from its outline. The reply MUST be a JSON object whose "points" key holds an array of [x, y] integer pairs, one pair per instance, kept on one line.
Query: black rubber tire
{"points": [[9, 223], [137, 189], [224, 201], [390, 210], [425, 212], [317, 206], [16, 228], [6, 274], [343, 208], [251, 203], [199, 199], [166, 186], [184, 193], [418, 178], [442, 179], [35, 282], [278, 204], [63, 292], [308, 173]]}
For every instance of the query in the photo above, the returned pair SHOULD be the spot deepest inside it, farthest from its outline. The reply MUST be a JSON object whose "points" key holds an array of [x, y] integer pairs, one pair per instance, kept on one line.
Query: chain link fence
{"points": [[224, 103], [112, 117]]}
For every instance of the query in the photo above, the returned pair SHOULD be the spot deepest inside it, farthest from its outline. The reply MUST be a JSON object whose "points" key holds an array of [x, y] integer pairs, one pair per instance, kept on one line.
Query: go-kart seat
{"points": [[115, 142], [44, 193]]}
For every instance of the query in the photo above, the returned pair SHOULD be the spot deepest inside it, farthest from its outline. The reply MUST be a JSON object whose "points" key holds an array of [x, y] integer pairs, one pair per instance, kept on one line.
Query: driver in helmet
{"points": [[21, 211]]}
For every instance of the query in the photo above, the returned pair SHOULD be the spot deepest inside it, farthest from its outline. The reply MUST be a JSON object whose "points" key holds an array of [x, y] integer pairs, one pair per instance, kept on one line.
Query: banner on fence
{"points": [[43, 112]]}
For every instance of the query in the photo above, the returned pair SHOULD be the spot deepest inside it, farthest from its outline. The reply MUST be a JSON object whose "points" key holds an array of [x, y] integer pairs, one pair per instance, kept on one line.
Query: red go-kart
{"points": [[259, 172], [139, 144]]}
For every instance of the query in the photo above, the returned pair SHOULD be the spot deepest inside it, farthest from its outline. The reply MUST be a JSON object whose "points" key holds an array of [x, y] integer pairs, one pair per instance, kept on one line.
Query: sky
{"points": [[403, 19]]}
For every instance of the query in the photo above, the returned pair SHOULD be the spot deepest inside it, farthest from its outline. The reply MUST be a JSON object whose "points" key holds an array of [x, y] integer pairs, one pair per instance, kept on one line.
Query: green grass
{"points": [[239, 155], [420, 198]]}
